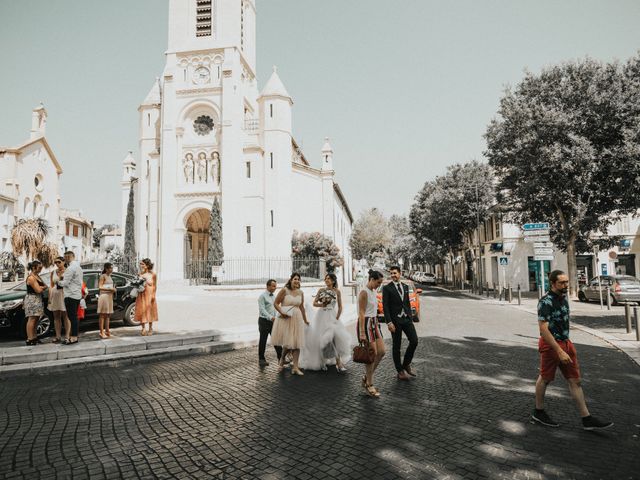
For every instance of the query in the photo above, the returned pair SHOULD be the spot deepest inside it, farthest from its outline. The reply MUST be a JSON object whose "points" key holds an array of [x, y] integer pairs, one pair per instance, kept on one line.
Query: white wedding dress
{"points": [[326, 338]]}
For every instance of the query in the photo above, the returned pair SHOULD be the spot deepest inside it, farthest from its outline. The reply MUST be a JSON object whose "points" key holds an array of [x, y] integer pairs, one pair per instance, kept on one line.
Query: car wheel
{"points": [[582, 297], [44, 326], [130, 315], [613, 300]]}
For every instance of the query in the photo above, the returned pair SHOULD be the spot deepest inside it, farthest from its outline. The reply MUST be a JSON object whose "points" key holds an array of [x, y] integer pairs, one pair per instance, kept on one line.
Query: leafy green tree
{"points": [[215, 251], [566, 150], [449, 208], [305, 245], [371, 236]]}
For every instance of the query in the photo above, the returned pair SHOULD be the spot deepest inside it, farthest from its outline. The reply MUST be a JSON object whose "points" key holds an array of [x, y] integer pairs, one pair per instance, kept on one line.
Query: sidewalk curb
{"points": [[140, 349], [632, 353]]}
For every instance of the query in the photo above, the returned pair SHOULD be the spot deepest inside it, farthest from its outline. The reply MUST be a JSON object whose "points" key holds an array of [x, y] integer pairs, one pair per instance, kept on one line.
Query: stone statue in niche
{"points": [[187, 166], [214, 170], [202, 167]]}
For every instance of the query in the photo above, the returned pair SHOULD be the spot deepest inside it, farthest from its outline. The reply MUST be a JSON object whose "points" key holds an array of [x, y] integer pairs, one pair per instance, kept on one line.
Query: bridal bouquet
{"points": [[326, 296]]}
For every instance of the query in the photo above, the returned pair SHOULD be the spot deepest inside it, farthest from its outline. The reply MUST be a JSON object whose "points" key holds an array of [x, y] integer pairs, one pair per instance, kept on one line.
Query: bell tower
{"points": [[197, 25]]}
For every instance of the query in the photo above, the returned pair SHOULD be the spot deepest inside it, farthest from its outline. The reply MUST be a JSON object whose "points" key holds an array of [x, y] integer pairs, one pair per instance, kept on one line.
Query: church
{"points": [[208, 133]]}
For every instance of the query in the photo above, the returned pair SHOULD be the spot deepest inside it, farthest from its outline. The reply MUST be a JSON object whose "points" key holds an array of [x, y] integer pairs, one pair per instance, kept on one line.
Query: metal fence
{"points": [[247, 271]]}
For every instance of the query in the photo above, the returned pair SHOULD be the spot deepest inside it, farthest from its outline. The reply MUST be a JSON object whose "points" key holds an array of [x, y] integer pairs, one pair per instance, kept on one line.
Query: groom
{"points": [[397, 315]]}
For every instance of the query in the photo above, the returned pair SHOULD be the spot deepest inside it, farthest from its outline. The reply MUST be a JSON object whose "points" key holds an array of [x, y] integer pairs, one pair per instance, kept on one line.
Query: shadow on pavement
{"points": [[466, 416]]}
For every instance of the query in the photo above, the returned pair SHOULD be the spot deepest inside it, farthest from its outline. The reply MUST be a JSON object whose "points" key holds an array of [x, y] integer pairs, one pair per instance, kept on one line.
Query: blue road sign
{"points": [[535, 226], [504, 260], [604, 268]]}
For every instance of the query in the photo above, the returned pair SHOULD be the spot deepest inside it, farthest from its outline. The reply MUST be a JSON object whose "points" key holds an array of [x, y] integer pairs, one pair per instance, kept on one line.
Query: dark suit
{"points": [[397, 310]]}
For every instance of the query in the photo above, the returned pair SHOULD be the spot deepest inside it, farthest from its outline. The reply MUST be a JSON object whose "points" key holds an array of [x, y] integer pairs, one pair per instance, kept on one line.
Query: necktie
{"points": [[400, 290], [271, 294]]}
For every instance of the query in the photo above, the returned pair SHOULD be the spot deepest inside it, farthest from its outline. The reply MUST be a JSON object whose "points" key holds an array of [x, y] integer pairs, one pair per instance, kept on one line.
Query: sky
{"points": [[403, 88]]}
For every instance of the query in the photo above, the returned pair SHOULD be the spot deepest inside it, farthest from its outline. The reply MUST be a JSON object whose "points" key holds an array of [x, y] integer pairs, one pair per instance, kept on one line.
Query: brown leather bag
{"points": [[364, 353]]}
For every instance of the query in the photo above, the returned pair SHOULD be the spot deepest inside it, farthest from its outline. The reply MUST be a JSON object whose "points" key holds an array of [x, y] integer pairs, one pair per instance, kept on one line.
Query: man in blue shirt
{"points": [[267, 314], [557, 352]]}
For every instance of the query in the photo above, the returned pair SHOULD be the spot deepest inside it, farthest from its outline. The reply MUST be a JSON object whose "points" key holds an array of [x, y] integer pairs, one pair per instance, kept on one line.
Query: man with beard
{"points": [[557, 351]]}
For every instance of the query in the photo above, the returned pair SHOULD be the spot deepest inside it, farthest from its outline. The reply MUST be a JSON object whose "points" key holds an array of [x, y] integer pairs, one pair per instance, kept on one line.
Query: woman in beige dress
{"points": [[56, 300], [105, 300], [146, 307], [288, 327]]}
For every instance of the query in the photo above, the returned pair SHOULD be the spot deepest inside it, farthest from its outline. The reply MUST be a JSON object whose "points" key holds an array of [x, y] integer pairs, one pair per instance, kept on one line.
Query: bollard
{"points": [[635, 315], [627, 316], [519, 295], [495, 292], [488, 291], [510, 294], [608, 298]]}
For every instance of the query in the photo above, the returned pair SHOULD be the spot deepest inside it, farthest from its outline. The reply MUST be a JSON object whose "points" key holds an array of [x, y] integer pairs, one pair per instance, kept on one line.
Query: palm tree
{"points": [[28, 236], [47, 254], [10, 263]]}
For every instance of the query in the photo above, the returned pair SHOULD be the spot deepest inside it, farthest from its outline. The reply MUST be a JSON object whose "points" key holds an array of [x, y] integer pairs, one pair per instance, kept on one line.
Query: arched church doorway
{"points": [[196, 243]]}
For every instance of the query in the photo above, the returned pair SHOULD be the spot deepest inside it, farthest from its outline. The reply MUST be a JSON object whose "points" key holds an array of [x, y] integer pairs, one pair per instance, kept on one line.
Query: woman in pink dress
{"points": [[146, 307]]}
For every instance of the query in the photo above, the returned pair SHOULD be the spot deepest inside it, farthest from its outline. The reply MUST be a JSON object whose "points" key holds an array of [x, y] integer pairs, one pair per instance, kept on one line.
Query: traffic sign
{"points": [[504, 261], [540, 258], [543, 251], [535, 226], [537, 238]]}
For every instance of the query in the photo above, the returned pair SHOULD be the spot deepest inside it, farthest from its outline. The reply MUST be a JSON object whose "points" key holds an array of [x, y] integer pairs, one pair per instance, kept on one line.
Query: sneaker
{"points": [[403, 375], [592, 423], [540, 416], [263, 363]]}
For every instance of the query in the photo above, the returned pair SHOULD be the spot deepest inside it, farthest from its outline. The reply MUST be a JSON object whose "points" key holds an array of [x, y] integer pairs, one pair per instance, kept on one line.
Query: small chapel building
{"points": [[30, 174], [207, 133]]}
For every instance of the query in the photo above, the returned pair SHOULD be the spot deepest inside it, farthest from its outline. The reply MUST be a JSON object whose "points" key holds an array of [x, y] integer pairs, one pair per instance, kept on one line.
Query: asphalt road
{"points": [[219, 416]]}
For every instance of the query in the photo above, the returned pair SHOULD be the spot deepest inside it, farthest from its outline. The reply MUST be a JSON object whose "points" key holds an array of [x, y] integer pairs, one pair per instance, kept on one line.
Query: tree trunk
{"points": [[571, 266]]}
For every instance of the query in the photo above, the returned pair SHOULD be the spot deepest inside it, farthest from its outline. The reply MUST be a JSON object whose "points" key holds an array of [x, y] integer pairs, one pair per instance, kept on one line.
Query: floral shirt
{"points": [[554, 309]]}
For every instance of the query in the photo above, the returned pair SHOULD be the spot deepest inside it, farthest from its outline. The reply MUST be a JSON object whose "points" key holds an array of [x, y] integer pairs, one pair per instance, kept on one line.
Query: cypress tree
{"points": [[129, 234], [215, 253]]}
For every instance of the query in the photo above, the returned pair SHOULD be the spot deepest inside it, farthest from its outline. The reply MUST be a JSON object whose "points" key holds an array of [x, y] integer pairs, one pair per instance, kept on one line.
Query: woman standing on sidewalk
{"points": [[105, 300], [146, 307], [56, 301], [33, 304], [288, 327], [368, 328]]}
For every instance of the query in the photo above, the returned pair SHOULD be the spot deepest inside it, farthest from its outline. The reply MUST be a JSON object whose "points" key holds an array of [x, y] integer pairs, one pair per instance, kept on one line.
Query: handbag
{"points": [[364, 353]]}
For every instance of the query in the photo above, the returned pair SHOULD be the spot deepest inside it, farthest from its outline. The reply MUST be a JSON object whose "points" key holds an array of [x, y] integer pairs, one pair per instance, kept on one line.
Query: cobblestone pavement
{"points": [[219, 416]]}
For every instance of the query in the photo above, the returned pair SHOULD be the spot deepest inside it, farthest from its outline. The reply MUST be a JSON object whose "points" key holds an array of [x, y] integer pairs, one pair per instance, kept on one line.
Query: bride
{"points": [[327, 338]]}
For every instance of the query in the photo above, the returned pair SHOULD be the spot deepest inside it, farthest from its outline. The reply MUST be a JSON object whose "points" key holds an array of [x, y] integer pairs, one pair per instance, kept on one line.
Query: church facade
{"points": [[208, 133]]}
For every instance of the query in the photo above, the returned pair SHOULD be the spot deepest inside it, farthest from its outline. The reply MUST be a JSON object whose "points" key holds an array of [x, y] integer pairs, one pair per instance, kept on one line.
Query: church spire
{"points": [[327, 155]]}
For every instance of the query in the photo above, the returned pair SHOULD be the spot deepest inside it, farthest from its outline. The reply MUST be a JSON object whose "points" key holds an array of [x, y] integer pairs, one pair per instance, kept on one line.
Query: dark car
{"points": [[622, 288], [12, 314]]}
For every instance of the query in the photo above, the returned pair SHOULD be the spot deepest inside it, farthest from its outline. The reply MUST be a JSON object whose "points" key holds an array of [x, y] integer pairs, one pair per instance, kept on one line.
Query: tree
{"points": [[371, 236], [305, 245], [566, 150], [28, 236], [129, 234], [449, 209], [215, 251], [402, 246]]}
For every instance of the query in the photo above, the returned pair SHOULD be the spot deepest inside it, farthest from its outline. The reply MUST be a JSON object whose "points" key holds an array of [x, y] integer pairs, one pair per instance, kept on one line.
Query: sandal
{"points": [[56, 340], [372, 391], [297, 371]]}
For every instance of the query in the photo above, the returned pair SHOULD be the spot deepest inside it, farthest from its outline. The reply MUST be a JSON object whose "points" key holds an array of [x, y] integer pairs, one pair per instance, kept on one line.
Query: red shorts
{"points": [[549, 360]]}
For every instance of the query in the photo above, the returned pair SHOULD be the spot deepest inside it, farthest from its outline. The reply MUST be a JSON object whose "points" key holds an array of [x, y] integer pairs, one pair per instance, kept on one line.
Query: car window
{"points": [[628, 281], [22, 287], [119, 281], [594, 282], [91, 280]]}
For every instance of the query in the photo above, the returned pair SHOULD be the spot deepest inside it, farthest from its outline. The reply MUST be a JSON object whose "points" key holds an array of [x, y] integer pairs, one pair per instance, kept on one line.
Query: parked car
{"points": [[428, 279], [12, 314], [414, 300], [623, 289]]}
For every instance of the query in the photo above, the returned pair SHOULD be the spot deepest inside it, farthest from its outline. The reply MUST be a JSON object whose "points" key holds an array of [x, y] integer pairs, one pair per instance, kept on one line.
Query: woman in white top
{"points": [[56, 300], [105, 300], [369, 329]]}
